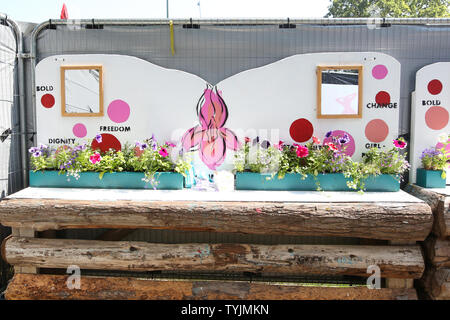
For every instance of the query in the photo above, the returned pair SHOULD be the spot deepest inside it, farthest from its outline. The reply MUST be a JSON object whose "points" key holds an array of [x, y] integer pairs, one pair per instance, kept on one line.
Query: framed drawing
{"points": [[82, 91], [339, 91]]}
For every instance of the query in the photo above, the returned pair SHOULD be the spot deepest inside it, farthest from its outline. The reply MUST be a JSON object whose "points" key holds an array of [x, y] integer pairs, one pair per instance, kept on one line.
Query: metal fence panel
{"points": [[215, 52], [9, 127]]}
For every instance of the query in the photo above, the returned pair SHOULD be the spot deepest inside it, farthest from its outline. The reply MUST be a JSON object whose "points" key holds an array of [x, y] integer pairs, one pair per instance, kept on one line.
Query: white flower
{"points": [[443, 137]]}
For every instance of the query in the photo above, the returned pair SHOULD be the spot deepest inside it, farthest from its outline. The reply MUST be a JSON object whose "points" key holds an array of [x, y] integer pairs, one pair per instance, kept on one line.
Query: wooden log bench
{"points": [[436, 278], [398, 218]]}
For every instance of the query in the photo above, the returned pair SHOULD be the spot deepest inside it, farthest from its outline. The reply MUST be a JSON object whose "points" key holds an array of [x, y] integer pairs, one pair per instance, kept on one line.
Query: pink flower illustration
{"points": [[210, 137], [96, 157]]}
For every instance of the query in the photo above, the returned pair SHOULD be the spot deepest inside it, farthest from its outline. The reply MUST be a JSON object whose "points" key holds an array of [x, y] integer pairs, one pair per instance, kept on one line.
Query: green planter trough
{"points": [[115, 180], [327, 182], [430, 178]]}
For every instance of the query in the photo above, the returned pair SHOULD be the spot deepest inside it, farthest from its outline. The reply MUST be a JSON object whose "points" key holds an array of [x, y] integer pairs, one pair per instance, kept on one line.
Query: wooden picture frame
{"points": [[319, 71], [64, 112]]}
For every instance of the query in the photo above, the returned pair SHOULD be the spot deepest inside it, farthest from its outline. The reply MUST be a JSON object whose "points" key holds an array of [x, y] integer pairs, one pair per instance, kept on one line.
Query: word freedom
{"points": [[235, 310]]}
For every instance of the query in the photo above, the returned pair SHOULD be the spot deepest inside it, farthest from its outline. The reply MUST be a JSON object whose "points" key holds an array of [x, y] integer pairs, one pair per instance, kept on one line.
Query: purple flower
{"points": [[37, 153], [344, 139], [265, 144], [42, 146], [431, 152], [33, 150], [328, 134], [98, 138], [143, 146], [79, 148]]}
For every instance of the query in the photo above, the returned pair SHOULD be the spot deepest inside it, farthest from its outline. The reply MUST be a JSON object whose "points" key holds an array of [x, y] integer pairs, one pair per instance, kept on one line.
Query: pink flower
{"points": [[316, 140], [170, 144], [302, 151], [163, 152], [96, 157], [332, 146], [280, 145], [399, 143]]}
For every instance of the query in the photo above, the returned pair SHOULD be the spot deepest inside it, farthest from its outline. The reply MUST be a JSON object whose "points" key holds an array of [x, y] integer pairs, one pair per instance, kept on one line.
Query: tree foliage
{"points": [[389, 8]]}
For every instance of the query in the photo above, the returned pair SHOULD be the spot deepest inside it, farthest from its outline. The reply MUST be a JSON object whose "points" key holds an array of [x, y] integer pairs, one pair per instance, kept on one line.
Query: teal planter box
{"points": [[115, 180], [328, 182], [382, 183], [430, 179], [291, 182]]}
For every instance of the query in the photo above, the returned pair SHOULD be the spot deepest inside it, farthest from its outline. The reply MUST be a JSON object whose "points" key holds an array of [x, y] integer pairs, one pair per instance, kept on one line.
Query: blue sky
{"points": [[40, 10]]}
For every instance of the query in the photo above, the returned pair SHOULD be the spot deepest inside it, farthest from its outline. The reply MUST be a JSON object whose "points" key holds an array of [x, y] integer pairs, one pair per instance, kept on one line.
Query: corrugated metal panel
{"points": [[215, 52], [9, 128]]}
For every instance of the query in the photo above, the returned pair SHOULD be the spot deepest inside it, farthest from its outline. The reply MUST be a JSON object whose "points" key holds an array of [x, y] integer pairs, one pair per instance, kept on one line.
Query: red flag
{"points": [[64, 14]]}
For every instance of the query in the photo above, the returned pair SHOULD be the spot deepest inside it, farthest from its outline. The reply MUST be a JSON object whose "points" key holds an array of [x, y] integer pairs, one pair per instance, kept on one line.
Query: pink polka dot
{"points": [[379, 71], [349, 147], [376, 130], [118, 111], [436, 118], [79, 130]]}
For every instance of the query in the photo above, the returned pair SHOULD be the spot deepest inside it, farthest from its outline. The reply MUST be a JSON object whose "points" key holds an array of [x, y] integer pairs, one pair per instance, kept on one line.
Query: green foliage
{"points": [[389, 8], [327, 158], [72, 160], [437, 158], [264, 160]]}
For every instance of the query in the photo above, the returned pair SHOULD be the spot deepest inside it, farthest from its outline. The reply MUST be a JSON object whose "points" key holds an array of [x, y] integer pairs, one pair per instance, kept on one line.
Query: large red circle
{"points": [[301, 130], [108, 142], [434, 86], [383, 98], [48, 100]]}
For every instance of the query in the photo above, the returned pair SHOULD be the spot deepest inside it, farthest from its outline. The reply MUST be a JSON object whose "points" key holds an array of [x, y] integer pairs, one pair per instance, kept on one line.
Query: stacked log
{"points": [[402, 223], [435, 281]]}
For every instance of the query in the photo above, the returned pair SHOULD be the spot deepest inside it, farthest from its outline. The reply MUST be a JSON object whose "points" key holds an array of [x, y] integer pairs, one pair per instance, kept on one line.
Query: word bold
{"points": [[44, 88]]}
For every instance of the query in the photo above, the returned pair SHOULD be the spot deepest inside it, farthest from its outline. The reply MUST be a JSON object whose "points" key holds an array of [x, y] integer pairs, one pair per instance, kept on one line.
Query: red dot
{"points": [[383, 98], [48, 100], [434, 86], [301, 130], [108, 142]]}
